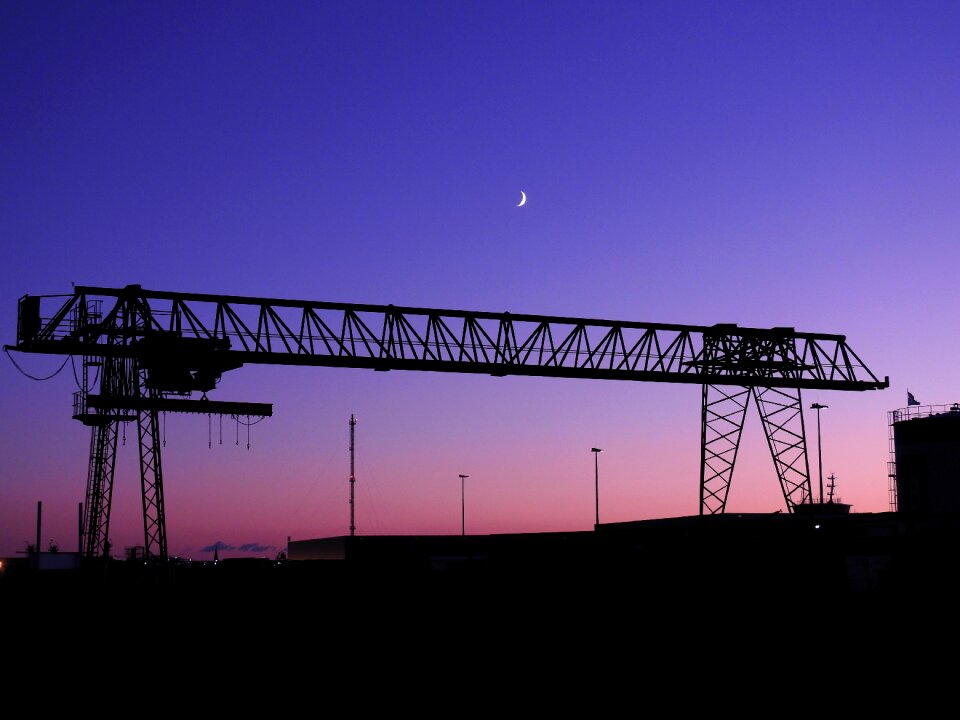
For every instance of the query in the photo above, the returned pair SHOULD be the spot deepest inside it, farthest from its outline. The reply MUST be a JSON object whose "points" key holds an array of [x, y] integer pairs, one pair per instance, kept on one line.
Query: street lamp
{"points": [[818, 407], [463, 507], [596, 480]]}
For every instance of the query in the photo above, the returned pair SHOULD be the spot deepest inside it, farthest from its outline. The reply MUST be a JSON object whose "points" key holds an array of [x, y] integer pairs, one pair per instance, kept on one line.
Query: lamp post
{"points": [[463, 507], [818, 407], [596, 481]]}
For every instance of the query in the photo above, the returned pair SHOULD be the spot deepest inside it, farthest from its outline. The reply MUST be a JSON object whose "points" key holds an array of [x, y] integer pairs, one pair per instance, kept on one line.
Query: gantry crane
{"points": [[145, 352]]}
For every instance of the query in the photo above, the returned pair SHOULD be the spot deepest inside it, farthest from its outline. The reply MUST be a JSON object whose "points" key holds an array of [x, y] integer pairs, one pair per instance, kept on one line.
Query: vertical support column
{"points": [[99, 493], [781, 411], [137, 320], [114, 379], [151, 477], [721, 423]]}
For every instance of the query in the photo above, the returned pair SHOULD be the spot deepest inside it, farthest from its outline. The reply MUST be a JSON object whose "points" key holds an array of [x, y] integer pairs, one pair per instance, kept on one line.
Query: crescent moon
{"points": [[523, 199]]}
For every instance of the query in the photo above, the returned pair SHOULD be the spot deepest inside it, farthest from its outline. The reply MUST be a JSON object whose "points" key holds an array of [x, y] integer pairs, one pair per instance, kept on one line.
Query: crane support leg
{"points": [[781, 410], [151, 480], [96, 515], [723, 412]]}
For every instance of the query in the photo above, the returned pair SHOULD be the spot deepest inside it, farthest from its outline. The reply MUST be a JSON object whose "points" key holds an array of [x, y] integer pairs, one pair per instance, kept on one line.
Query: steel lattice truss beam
{"points": [[384, 337]]}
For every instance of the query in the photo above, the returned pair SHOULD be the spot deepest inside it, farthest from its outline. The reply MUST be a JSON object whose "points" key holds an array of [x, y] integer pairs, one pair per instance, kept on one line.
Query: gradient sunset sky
{"points": [[760, 163]]}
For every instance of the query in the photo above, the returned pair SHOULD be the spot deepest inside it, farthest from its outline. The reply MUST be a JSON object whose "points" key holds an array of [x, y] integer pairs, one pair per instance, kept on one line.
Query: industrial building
{"points": [[819, 547], [925, 442], [857, 553]]}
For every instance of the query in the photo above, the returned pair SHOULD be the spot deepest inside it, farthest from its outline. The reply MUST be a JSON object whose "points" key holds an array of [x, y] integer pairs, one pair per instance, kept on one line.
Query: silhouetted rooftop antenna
{"points": [[831, 487], [353, 477]]}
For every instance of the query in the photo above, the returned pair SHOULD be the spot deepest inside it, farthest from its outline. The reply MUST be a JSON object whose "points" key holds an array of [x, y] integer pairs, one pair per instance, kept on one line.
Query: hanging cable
{"points": [[249, 424], [164, 429], [38, 379], [209, 432], [221, 428], [246, 423], [124, 434], [76, 378]]}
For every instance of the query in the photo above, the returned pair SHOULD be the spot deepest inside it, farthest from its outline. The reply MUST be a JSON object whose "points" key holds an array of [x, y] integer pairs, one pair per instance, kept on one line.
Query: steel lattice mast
{"points": [[353, 477], [167, 345]]}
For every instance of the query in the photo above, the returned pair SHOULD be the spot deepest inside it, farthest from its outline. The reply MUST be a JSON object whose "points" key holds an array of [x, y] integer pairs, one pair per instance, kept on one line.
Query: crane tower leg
{"points": [[96, 515], [722, 415], [781, 410], [151, 478]]}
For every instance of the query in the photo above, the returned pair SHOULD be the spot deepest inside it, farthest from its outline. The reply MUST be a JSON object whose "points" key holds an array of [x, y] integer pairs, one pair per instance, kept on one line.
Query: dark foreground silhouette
{"points": [[681, 576]]}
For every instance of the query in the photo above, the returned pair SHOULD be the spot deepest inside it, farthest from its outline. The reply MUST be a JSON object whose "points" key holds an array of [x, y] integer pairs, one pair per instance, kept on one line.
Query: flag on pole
{"points": [[911, 400]]}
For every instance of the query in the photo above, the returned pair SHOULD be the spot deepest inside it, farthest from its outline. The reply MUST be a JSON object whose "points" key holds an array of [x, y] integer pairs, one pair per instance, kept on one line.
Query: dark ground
{"points": [[663, 606]]}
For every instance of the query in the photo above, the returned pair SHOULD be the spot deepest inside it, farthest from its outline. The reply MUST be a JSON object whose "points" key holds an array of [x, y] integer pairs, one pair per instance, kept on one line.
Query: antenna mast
{"points": [[353, 478]]}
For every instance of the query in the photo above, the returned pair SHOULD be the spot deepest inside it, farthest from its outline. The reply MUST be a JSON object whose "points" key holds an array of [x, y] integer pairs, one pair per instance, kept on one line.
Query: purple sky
{"points": [[768, 164]]}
